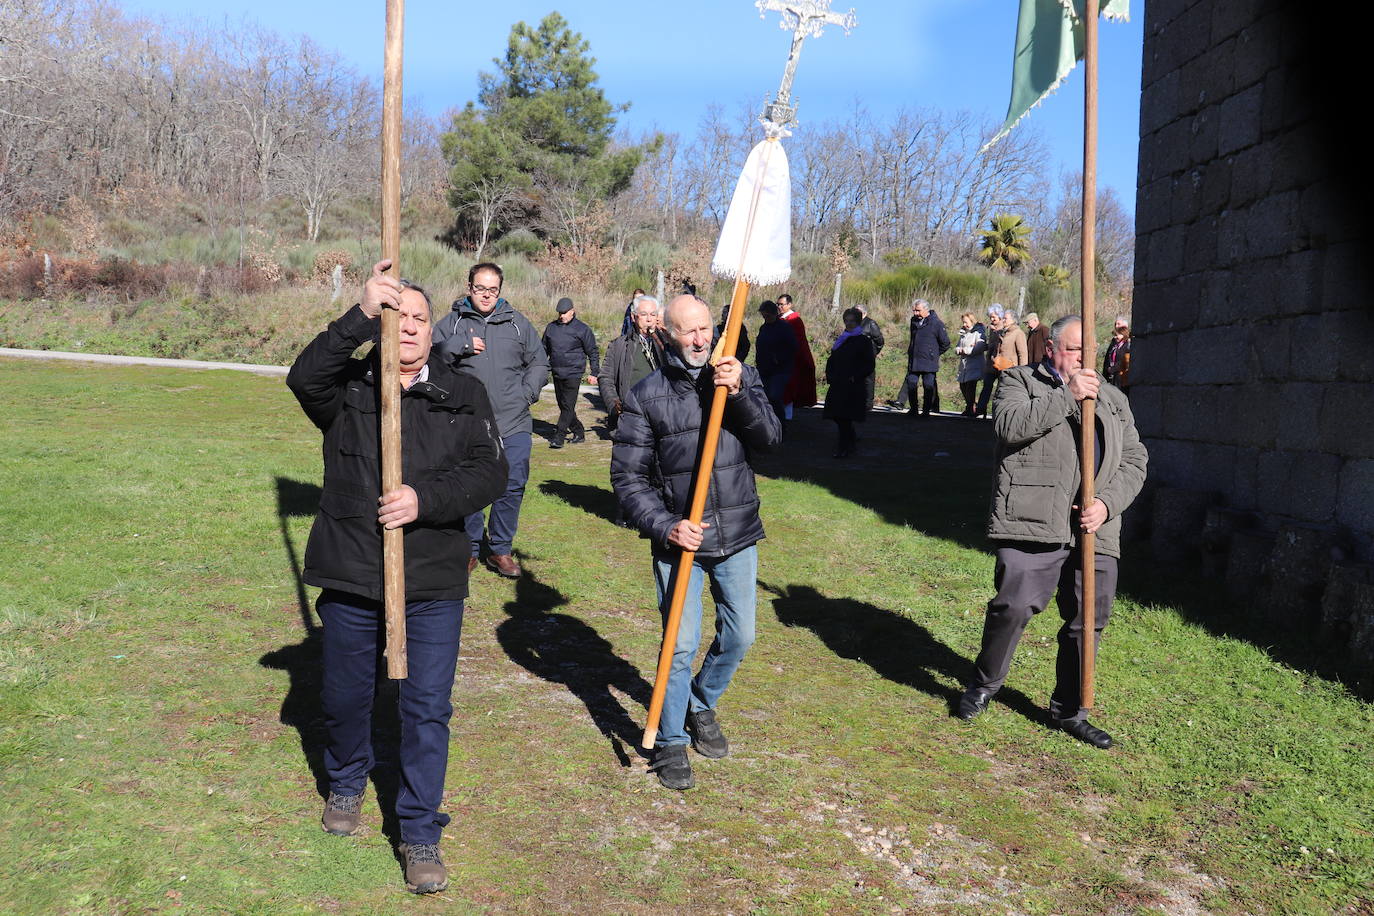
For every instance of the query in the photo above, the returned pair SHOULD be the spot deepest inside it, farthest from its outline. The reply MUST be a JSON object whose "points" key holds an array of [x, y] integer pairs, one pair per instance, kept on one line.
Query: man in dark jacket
{"points": [[775, 353], [487, 339], [452, 466], [570, 345], [928, 341], [1037, 518], [630, 358], [875, 335], [652, 461]]}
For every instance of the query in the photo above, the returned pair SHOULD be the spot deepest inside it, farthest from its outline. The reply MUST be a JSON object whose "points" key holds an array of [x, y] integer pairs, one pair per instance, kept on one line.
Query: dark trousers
{"points": [[847, 436], [969, 390], [353, 634], [565, 392], [505, 512], [989, 379], [926, 381], [1025, 578]]}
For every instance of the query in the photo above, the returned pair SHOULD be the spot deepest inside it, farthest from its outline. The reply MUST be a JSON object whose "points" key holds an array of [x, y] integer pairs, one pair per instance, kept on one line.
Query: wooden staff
{"points": [[1087, 455], [393, 543], [701, 485]]}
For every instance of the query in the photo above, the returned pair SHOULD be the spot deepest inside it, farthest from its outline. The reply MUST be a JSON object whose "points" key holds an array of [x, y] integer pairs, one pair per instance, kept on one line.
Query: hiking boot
{"points": [[707, 738], [503, 564], [425, 872], [341, 814], [673, 768]]}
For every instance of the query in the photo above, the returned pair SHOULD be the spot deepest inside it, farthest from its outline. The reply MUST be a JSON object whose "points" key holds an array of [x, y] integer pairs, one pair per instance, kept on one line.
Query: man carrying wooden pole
{"points": [[367, 409], [1050, 495]]}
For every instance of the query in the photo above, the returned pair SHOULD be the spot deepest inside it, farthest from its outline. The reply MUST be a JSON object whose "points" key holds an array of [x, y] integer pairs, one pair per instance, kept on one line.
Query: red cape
{"points": [[801, 387]]}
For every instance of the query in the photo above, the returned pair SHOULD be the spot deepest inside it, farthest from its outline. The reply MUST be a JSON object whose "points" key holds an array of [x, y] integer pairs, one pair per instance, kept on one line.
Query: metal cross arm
{"points": [[804, 18]]}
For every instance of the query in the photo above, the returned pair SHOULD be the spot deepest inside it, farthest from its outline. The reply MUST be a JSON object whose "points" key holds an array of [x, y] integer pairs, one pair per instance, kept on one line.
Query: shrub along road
{"points": [[160, 735]]}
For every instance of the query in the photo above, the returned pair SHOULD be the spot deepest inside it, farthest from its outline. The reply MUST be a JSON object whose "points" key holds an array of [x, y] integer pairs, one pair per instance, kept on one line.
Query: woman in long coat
{"points": [[847, 370]]}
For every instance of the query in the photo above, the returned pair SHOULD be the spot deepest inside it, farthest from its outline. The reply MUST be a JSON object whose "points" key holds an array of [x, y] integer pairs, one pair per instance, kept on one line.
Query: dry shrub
{"points": [[326, 261], [21, 276], [691, 264], [82, 226]]}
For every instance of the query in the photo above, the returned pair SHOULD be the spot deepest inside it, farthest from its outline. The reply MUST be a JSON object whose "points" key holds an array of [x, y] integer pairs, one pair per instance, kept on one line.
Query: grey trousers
{"points": [[1026, 576]]}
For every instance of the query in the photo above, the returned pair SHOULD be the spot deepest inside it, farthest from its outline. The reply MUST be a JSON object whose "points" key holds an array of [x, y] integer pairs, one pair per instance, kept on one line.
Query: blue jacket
{"points": [[655, 452]]}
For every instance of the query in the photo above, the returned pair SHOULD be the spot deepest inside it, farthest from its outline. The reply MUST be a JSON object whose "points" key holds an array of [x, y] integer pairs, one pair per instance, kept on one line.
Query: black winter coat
{"points": [[655, 452], [928, 341], [450, 455], [847, 370], [570, 347]]}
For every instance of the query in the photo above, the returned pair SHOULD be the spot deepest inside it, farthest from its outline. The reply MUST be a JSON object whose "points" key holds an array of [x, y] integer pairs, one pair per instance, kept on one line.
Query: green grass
{"points": [[151, 642]]}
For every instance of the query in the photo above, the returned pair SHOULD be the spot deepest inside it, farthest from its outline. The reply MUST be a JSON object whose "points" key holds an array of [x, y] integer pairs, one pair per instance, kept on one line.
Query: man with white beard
{"points": [[652, 460]]}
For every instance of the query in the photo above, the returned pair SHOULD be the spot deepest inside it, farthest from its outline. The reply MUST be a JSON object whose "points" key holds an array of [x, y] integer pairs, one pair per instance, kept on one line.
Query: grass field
{"points": [[160, 733]]}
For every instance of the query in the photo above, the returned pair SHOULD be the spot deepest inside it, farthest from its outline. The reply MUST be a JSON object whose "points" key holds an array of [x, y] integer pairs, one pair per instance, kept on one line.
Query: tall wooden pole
{"points": [[393, 544], [1087, 456]]}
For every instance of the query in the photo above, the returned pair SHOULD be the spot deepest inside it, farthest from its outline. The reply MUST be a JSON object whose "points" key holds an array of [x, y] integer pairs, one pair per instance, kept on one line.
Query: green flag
{"points": [[1049, 41]]}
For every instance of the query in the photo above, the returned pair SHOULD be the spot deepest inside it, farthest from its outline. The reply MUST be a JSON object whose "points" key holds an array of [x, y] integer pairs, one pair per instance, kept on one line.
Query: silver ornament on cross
{"points": [[804, 18]]}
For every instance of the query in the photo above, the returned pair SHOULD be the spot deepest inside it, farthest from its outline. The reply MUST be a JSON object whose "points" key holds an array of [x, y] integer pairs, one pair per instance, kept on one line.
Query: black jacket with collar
{"points": [[451, 457], [570, 347], [655, 452]]}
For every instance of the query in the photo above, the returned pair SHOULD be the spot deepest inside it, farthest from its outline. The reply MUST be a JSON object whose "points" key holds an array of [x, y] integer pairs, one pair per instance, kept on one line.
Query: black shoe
{"points": [[1088, 733], [707, 738], [577, 439], [972, 703], [556, 442], [673, 768]]}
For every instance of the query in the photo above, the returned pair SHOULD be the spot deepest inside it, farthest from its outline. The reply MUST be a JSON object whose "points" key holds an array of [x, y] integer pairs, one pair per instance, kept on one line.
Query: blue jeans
{"points": [[353, 631], [734, 581], [505, 512]]}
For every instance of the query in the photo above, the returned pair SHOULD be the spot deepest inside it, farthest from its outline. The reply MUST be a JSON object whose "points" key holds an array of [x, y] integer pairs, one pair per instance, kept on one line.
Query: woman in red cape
{"points": [[801, 387]]}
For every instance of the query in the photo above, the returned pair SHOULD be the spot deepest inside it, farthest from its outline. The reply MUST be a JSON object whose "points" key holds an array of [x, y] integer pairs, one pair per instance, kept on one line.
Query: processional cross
{"points": [[805, 18]]}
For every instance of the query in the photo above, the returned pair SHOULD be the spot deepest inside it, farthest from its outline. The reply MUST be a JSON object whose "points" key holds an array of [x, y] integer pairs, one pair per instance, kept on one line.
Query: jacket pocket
{"points": [[1031, 495]]}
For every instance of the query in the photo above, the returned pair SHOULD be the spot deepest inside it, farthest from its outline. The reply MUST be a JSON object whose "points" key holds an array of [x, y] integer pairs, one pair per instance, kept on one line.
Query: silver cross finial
{"points": [[803, 18]]}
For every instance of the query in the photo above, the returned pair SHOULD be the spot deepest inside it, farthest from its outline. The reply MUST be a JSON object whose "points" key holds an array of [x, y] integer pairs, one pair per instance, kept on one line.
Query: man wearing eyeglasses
{"points": [[488, 339], [1038, 517]]}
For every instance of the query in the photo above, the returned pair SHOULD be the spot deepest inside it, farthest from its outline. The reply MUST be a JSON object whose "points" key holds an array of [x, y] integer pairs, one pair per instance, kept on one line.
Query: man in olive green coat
{"points": [[1036, 517]]}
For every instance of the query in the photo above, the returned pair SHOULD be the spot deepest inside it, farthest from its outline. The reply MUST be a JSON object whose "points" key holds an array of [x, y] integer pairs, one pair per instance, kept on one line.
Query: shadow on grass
{"points": [[896, 647], [301, 708], [593, 500], [563, 649]]}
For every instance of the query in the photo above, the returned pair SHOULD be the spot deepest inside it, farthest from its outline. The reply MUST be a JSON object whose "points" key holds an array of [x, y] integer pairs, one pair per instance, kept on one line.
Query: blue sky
{"points": [[671, 62]]}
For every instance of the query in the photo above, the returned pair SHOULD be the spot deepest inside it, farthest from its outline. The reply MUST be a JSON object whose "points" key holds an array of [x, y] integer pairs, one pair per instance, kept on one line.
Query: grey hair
{"points": [[1008, 313], [1124, 319], [1057, 329], [429, 303], [916, 302], [649, 299], [996, 309], [1030, 315]]}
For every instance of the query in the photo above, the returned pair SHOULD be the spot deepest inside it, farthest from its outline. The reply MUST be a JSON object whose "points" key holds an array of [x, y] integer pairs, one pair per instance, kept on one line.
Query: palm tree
{"points": [[1005, 245], [1054, 276]]}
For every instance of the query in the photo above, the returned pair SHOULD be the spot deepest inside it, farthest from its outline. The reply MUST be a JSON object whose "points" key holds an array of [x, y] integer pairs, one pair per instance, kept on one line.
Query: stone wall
{"points": [[1253, 360], [1253, 365]]}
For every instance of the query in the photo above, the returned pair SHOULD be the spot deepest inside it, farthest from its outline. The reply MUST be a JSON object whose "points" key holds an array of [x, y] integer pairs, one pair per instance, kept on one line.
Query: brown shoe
{"points": [[341, 814], [472, 564], [425, 872], [503, 564]]}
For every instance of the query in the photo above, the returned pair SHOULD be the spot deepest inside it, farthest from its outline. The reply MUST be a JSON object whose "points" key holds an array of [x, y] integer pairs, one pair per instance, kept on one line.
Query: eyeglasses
{"points": [[485, 290]]}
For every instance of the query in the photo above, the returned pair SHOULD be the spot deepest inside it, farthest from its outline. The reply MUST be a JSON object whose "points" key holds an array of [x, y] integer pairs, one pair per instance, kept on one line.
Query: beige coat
{"points": [[1012, 345]]}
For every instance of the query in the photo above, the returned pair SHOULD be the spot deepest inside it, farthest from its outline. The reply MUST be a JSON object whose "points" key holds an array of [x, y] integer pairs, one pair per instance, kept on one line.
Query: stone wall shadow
{"points": [[563, 649], [895, 647]]}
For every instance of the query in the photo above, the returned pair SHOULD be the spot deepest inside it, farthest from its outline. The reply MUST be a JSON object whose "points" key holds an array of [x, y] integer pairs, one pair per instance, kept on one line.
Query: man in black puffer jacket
{"points": [[652, 461], [452, 466], [570, 344]]}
